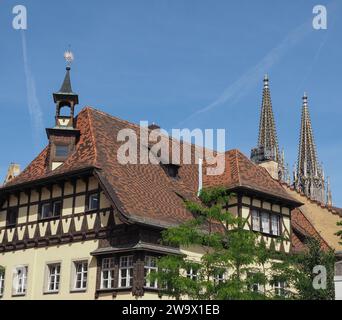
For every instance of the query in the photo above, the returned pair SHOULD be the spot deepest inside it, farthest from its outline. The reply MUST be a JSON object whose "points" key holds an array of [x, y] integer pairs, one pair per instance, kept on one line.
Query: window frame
{"points": [[129, 268], [89, 201], [51, 211], [220, 276], [63, 156], [2, 283], [56, 277], [148, 269], [282, 289], [192, 273], [271, 215], [21, 282], [84, 276], [111, 273], [10, 211]]}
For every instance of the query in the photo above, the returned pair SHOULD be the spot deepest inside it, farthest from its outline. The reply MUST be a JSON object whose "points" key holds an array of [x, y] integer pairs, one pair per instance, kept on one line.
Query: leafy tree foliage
{"points": [[298, 271], [226, 245]]}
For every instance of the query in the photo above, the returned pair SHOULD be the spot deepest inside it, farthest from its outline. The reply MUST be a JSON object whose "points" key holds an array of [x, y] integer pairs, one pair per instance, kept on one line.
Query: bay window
{"points": [[107, 273], [126, 272], [149, 269]]}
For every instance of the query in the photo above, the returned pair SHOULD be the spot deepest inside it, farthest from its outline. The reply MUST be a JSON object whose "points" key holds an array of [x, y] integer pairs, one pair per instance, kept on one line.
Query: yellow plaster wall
{"points": [[36, 260]]}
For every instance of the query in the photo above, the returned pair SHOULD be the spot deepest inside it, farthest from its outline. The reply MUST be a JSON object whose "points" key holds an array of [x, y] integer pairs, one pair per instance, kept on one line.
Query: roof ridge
{"points": [[317, 203], [111, 116], [92, 134]]}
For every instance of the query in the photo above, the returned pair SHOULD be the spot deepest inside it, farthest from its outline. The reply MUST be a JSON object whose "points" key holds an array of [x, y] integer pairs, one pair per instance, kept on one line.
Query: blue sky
{"points": [[179, 63]]}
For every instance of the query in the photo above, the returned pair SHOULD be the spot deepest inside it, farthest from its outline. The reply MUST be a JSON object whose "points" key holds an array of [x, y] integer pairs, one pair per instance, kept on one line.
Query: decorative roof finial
{"points": [[69, 58], [266, 81]]}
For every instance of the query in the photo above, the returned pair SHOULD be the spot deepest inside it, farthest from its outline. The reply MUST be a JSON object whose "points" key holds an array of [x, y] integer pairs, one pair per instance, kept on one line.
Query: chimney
{"points": [[13, 171]]}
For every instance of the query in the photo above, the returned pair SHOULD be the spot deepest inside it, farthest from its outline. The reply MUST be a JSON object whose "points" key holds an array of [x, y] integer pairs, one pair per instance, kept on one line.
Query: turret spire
{"points": [[268, 148], [309, 177]]}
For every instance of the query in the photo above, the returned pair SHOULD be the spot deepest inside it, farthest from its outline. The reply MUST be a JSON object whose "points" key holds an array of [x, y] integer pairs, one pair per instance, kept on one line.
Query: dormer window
{"points": [[171, 170], [62, 151]]}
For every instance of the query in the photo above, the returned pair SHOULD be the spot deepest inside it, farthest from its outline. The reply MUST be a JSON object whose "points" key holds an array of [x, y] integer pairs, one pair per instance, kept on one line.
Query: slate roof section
{"points": [[144, 192]]}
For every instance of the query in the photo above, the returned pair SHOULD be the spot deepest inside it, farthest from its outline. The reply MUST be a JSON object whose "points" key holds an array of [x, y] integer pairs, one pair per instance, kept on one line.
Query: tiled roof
{"points": [[302, 230], [241, 172], [144, 192], [321, 218]]}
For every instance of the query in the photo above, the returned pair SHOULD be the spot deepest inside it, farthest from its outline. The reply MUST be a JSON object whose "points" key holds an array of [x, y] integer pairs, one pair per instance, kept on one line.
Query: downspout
{"points": [[200, 176]]}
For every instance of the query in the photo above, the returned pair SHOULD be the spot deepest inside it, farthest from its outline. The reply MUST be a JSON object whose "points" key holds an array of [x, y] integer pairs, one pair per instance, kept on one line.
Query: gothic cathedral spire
{"points": [[267, 150], [309, 176]]}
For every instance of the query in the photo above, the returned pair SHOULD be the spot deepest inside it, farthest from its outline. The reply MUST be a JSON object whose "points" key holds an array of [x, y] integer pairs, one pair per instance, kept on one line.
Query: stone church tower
{"points": [[309, 175], [267, 152]]}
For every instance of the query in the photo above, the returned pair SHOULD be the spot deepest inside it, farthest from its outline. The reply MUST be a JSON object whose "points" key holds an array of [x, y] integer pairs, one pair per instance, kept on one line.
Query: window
{"points": [[12, 217], [107, 274], [93, 202], [171, 170], [45, 211], [257, 288], [53, 277], [150, 268], [279, 288], [275, 222], [62, 151], [265, 222], [2, 283], [219, 276], [56, 208], [253, 284], [51, 210], [20, 280], [81, 275], [255, 220], [126, 272], [191, 273]]}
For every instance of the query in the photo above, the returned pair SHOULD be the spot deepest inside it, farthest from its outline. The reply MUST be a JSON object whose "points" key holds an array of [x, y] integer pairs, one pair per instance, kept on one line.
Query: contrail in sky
{"points": [[35, 111], [252, 77]]}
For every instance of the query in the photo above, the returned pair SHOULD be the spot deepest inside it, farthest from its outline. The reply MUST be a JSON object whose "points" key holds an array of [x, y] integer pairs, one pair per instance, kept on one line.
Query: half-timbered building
{"points": [[78, 224]]}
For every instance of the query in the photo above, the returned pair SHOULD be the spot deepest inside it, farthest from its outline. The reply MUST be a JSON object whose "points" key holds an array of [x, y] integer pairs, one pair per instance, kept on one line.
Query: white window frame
{"points": [[83, 274], [42, 211], [275, 217], [53, 208], [262, 216], [149, 268], [126, 266], [20, 281], [278, 287], [53, 276], [192, 273], [220, 277], [90, 201], [107, 273], [255, 218], [2, 283]]}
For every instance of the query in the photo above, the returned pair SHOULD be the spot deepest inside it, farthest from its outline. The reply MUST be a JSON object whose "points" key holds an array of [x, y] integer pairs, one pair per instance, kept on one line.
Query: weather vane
{"points": [[69, 57]]}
